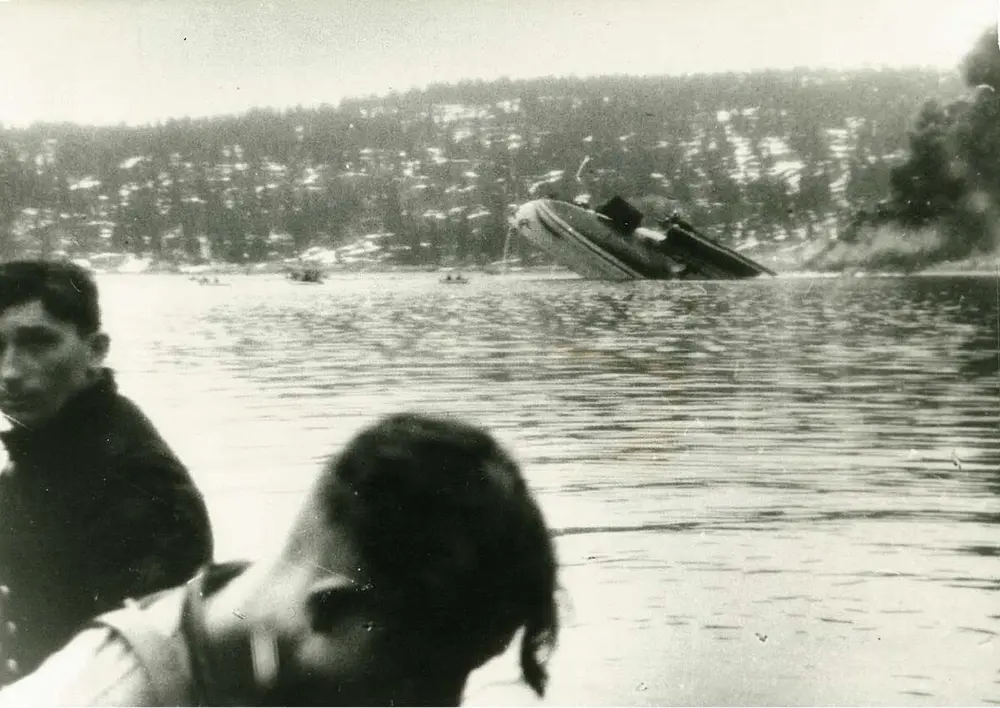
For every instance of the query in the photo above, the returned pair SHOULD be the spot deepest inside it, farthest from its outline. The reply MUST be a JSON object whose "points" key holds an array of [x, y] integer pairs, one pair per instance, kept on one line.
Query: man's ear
{"points": [[100, 344]]}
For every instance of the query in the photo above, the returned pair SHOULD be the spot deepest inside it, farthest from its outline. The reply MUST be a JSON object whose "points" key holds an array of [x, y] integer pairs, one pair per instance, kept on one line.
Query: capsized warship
{"points": [[608, 243]]}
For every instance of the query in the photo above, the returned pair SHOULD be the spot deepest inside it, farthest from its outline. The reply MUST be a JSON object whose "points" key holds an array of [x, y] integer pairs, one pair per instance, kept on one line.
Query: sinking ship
{"points": [[608, 243]]}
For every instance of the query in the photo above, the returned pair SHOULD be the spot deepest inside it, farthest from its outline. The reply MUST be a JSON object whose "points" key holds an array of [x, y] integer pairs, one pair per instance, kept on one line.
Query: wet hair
{"points": [[67, 291], [441, 516]]}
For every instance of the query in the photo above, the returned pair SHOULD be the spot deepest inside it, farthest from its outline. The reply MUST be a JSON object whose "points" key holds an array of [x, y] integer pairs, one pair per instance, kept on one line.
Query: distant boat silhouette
{"points": [[306, 275], [458, 279]]}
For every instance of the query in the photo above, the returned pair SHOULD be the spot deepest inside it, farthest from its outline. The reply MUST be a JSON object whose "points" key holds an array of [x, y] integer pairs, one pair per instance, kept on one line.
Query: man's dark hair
{"points": [[66, 291], [443, 518]]}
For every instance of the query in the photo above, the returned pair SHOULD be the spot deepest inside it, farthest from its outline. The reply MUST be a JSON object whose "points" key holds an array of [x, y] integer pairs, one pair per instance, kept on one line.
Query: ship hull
{"points": [[594, 246]]}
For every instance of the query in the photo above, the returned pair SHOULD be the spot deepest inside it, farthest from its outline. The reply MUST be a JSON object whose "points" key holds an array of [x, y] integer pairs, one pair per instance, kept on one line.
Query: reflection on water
{"points": [[766, 492]]}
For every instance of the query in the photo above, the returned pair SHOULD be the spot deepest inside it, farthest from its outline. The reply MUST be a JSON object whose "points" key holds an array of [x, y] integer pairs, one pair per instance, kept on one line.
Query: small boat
{"points": [[306, 275], [455, 280], [608, 243], [204, 280]]}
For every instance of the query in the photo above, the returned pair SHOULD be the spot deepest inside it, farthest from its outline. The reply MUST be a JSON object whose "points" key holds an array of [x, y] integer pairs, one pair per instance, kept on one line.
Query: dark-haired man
{"points": [[94, 505], [415, 559]]}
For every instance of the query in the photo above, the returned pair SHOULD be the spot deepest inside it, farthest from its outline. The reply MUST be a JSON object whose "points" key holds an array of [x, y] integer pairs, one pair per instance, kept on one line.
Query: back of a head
{"points": [[441, 514], [66, 291]]}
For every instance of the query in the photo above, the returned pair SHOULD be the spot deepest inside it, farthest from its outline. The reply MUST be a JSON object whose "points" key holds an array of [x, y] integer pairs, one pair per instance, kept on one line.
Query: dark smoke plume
{"points": [[949, 185]]}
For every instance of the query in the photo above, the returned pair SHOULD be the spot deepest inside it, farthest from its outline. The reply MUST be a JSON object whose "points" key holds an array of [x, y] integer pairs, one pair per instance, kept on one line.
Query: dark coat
{"points": [[94, 508]]}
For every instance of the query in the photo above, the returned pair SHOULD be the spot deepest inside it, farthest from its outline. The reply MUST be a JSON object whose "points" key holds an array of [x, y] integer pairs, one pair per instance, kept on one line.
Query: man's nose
{"points": [[11, 366]]}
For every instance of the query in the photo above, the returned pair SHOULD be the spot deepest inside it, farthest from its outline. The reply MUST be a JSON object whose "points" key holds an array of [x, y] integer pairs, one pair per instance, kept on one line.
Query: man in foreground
{"points": [[416, 557], [94, 506]]}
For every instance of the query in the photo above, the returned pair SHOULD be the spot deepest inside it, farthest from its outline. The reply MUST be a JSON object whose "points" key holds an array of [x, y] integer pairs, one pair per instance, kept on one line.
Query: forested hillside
{"points": [[759, 157]]}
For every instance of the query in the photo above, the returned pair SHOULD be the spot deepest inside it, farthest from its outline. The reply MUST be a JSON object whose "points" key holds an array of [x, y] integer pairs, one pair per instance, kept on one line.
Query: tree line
{"points": [[767, 155]]}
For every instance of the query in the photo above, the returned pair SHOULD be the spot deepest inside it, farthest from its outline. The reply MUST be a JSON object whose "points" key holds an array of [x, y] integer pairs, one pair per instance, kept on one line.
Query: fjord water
{"points": [[783, 491]]}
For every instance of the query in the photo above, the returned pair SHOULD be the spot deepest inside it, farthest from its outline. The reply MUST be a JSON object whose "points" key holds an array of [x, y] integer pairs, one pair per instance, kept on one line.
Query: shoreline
{"points": [[806, 259], [225, 269], [798, 273], [788, 262]]}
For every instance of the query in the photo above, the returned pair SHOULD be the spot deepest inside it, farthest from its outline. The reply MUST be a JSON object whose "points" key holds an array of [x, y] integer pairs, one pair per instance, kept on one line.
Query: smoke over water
{"points": [[945, 199], [885, 246]]}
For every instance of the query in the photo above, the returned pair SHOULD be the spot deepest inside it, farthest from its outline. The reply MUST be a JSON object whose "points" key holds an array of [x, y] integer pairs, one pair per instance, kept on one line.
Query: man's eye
{"points": [[38, 340]]}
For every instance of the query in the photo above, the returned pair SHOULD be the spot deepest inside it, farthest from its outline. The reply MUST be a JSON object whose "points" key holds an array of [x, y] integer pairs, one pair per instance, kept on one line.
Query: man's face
{"points": [[343, 649], [43, 362], [340, 661]]}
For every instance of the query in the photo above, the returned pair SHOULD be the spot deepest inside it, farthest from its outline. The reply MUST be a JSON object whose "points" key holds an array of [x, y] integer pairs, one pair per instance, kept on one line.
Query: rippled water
{"points": [[767, 492]]}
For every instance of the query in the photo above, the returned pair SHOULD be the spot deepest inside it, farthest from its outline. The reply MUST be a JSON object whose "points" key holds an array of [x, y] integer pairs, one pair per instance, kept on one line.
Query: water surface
{"points": [[781, 491]]}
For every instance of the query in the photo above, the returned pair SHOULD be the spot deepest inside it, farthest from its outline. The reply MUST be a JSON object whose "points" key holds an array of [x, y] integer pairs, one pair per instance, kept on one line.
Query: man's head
{"points": [[426, 555], [51, 344]]}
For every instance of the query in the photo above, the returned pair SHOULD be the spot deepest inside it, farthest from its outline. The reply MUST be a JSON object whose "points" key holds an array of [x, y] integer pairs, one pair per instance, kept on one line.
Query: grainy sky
{"points": [[134, 61]]}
